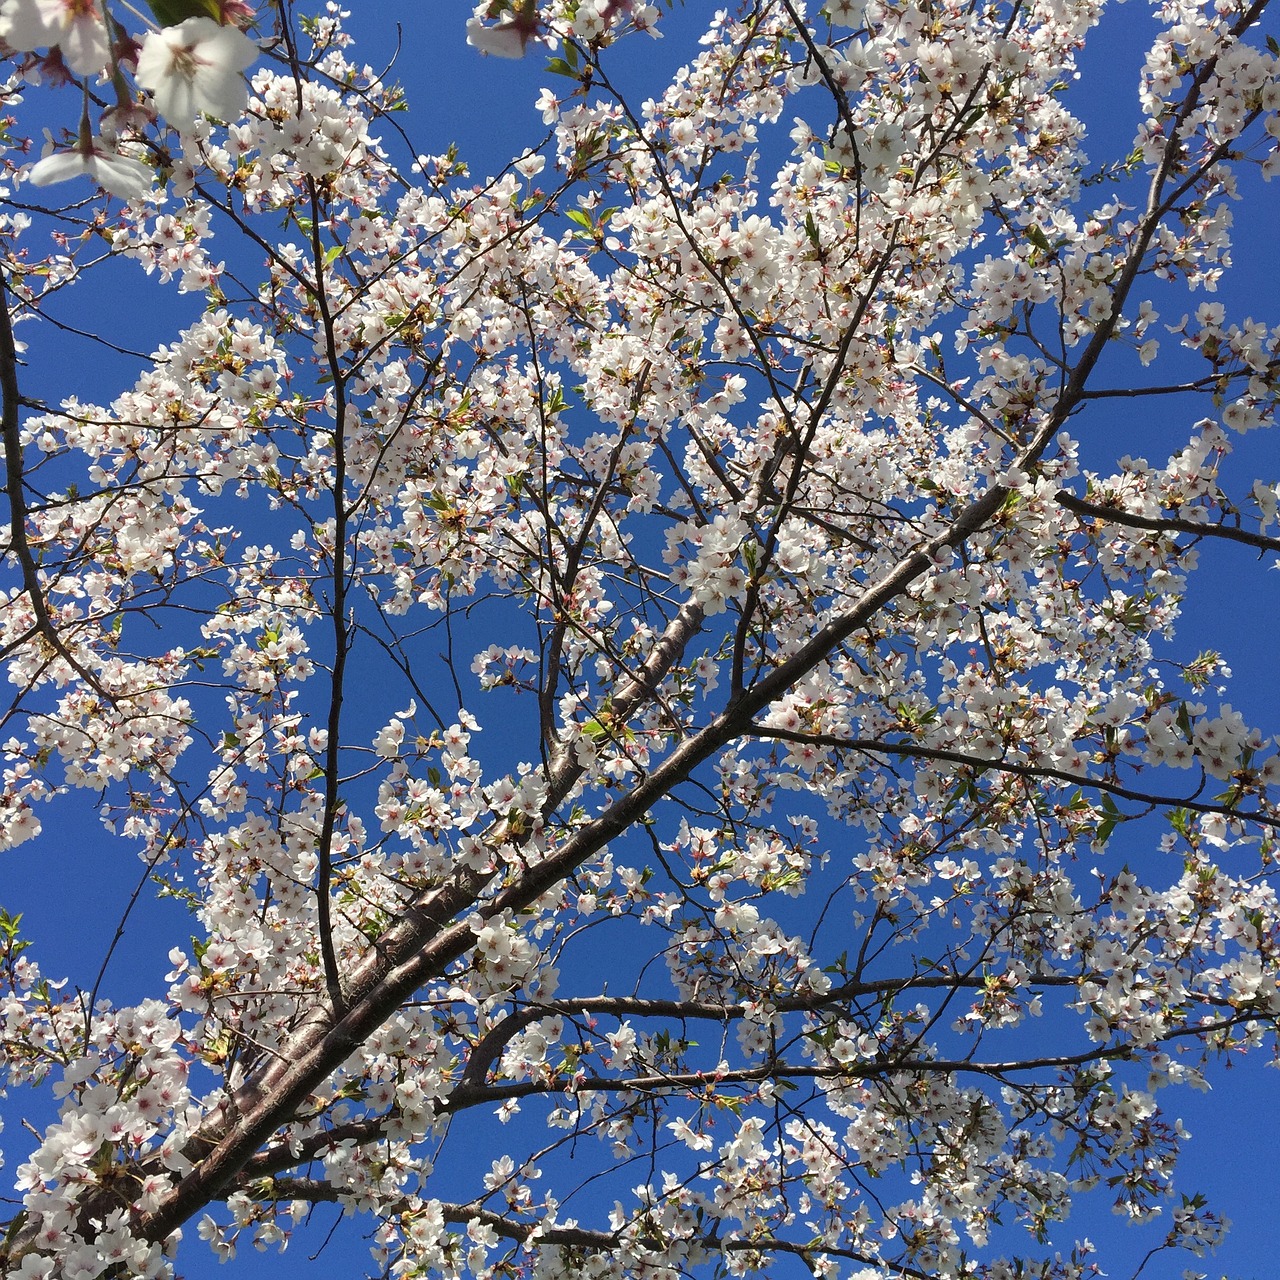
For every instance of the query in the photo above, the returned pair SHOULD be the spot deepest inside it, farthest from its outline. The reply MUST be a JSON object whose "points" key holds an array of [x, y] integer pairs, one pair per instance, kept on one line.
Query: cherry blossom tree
{"points": [[670, 643]]}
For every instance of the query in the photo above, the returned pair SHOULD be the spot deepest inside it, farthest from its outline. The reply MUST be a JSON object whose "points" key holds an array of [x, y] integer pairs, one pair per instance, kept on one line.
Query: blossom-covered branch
{"points": [[664, 641]]}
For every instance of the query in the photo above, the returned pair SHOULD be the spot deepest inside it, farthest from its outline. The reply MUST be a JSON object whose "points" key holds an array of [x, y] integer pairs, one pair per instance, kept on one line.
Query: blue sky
{"points": [[485, 106]]}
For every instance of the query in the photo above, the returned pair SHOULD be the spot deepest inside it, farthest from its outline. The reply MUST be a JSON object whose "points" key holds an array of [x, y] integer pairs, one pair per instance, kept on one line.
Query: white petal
{"points": [[84, 46], [229, 47], [504, 41], [117, 174], [23, 26], [58, 167], [121, 176]]}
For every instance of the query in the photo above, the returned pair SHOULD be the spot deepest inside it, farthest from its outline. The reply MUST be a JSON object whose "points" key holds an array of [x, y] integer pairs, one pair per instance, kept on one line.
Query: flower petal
{"points": [[507, 40], [58, 167], [23, 26], [114, 173], [121, 176]]}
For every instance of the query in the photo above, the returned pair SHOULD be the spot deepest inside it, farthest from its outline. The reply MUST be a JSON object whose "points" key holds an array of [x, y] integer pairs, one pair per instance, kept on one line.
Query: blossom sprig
{"points": [[508, 28], [192, 66], [519, 25]]}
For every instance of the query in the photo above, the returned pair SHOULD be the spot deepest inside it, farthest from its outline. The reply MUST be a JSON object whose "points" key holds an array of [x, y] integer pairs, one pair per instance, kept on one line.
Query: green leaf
{"points": [[1111, 817], [172, 13], [9, 928], [19, 1221]]}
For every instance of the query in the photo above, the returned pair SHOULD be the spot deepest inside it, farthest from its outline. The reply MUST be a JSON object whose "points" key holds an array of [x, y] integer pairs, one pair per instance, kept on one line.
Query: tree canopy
{"points": [[671, 641]]}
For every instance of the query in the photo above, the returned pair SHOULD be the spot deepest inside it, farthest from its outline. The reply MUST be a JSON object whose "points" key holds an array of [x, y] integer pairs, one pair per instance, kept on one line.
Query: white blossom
{"points": [[120, 175], [77, 27], [196, 67]]}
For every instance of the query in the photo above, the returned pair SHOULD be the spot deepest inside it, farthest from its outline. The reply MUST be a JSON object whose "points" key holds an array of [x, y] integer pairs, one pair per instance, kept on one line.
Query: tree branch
{"points": [[1164, 524]]}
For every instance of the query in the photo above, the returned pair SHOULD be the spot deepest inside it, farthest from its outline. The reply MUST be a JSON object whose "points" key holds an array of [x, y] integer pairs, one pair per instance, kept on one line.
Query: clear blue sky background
{"points": [[485, 106]]}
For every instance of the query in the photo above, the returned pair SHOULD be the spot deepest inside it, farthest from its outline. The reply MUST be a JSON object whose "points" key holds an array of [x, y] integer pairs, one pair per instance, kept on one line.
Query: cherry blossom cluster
{"points": [[185, 70], [648, 644]]}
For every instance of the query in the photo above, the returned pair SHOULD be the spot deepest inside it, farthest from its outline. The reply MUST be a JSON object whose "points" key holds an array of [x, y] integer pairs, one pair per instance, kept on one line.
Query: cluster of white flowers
{"points": [[736, 495], [195, 67]]}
